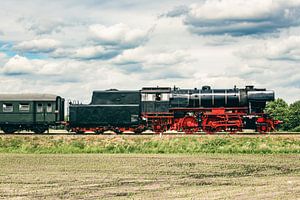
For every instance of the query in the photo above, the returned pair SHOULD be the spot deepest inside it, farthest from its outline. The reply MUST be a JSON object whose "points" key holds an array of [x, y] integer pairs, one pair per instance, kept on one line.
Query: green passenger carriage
{"points": [[31, 112]]}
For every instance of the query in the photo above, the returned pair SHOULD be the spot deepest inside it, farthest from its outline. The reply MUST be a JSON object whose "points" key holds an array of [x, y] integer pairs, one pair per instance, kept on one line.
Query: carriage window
{"points": [[39, 107], [49, 107], [8, 107], [24, 107]]}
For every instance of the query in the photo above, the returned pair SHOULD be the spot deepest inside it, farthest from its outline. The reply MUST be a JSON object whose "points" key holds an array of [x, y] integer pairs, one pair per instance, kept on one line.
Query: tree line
{"points": [[288, 114]]}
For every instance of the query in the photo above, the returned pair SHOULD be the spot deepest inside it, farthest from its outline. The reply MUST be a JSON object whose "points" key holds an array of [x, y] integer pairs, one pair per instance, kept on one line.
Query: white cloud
{"points": [[118, 34], [283, 48], [130, 56], [107, 42], [162, 59], [96, 52], [238, 17], [22, 66], [43, 26], [89, 52], [159, 65], [172, 58], [239, 10], [18, 65], [37, 45]]}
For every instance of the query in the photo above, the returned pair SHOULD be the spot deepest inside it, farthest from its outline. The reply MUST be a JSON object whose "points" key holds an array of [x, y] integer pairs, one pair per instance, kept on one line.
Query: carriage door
{"points": [[49, 107], [40, 112]]}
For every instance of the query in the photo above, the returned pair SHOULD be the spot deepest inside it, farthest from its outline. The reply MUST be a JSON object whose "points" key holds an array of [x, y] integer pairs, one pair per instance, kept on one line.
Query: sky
{"points": [[72, 47]]}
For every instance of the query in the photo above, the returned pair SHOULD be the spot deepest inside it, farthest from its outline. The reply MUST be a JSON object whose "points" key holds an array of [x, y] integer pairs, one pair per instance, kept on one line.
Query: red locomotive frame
{"points": [[208, 120]]}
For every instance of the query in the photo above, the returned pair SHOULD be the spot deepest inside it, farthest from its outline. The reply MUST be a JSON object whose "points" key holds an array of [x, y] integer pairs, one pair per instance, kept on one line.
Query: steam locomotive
{"points": [[162, 109]]}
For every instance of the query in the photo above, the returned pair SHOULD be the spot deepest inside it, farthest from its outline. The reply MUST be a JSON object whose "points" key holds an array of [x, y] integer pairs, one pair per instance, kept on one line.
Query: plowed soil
{"points": [[136, 176]]}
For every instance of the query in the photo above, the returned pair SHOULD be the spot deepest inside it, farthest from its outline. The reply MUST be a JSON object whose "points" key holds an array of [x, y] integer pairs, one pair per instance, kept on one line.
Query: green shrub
{"points": [[296, 129]]}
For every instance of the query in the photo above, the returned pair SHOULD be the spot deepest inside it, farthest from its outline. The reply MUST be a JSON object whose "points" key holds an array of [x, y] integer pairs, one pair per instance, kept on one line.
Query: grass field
{"points": [[262, 144], [149, 167], [147, 176]]}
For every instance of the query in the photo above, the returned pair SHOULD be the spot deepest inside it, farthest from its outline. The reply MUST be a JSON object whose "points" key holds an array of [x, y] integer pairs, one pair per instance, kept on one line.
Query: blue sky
{"points": [[72, 47]]}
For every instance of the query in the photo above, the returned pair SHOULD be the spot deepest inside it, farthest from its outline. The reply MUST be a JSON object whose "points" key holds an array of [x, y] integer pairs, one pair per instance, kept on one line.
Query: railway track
{"points": [[149, 134]]}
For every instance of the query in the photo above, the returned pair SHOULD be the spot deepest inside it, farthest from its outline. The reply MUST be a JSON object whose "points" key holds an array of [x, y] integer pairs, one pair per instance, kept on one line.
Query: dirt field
{"points": [[136, 176]]}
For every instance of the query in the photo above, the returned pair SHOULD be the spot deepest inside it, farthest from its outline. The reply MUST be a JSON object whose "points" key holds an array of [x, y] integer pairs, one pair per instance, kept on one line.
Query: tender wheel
{"points": [[79, 132], [139, 130], [99, 132], [117, 131]]}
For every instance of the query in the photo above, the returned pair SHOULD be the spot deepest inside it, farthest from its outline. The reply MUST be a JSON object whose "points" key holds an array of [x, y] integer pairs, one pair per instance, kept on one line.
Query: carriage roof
{"points": [[28, 97]]}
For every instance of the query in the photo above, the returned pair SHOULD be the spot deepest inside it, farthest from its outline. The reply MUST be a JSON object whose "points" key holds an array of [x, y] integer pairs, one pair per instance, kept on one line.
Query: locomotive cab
{"points": [[155, 99]]}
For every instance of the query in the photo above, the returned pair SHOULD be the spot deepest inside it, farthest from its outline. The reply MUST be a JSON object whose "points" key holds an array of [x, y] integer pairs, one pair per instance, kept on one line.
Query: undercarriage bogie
{"points": [[40, 129], [9, 129], [224, 122], [265, 124], [36, 128]]}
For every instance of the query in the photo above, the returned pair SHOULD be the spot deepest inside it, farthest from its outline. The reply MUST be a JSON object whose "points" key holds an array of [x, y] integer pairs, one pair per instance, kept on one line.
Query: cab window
{"points": [[8, 107], [24, 107], [157, 97]]}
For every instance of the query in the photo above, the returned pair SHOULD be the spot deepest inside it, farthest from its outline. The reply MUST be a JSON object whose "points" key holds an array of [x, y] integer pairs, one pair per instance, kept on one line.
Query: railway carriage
{"points": [[31, 112]]}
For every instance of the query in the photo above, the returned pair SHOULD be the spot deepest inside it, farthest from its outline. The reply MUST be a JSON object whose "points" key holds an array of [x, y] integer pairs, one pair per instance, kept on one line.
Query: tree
{"points": [[294, 115], [279, 110]]}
